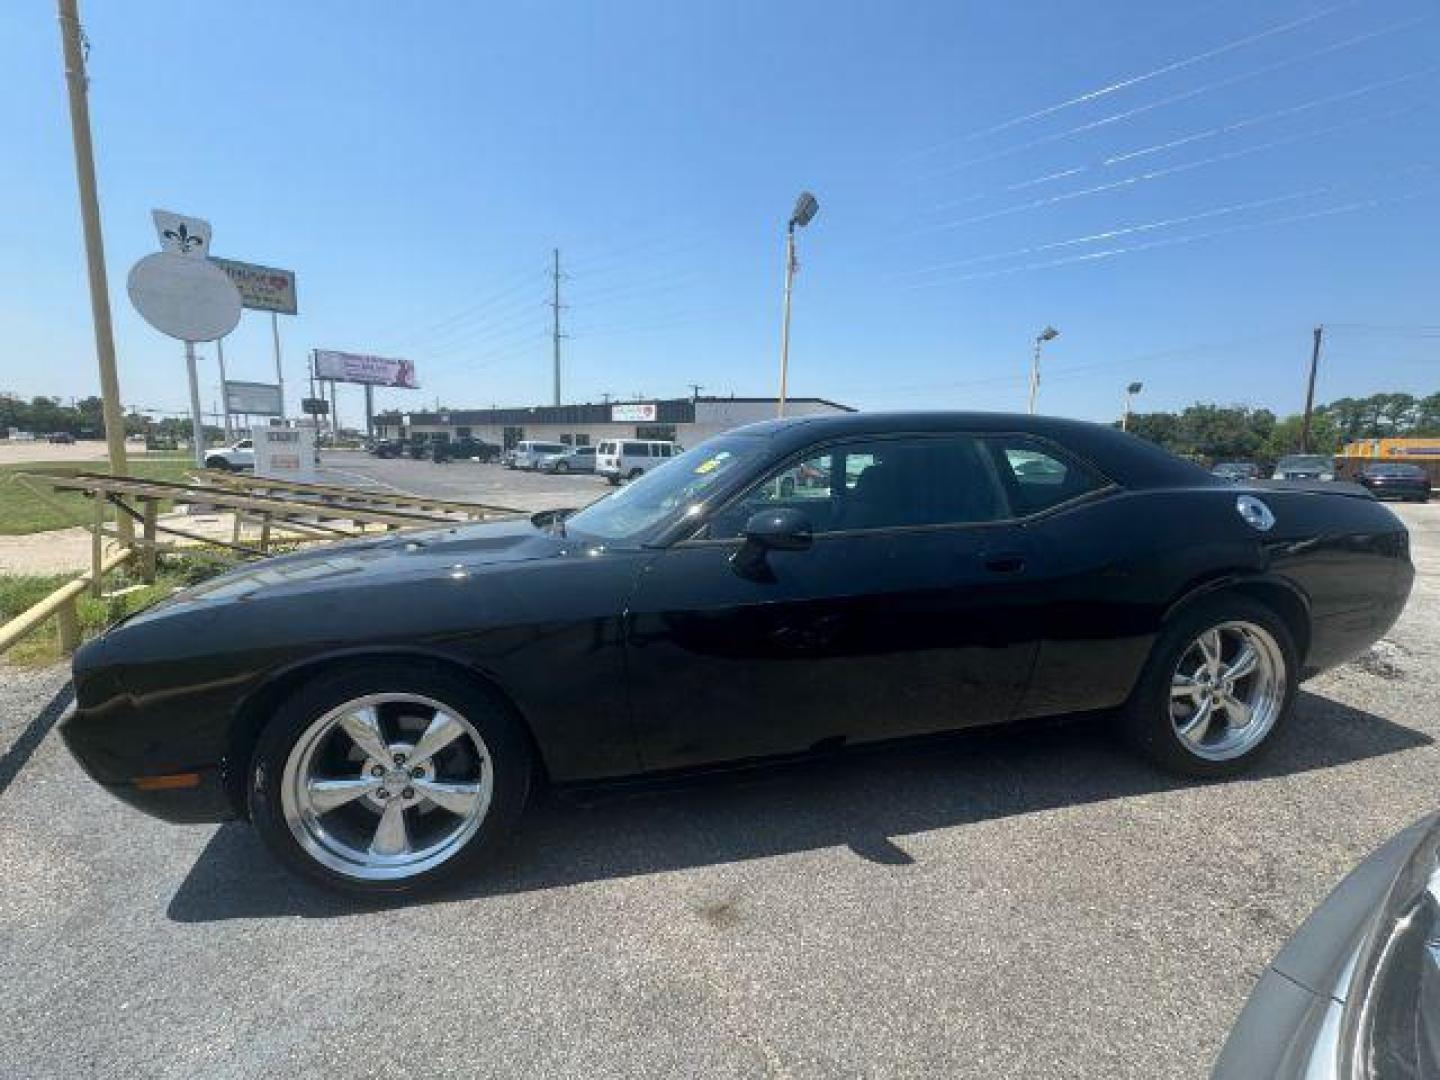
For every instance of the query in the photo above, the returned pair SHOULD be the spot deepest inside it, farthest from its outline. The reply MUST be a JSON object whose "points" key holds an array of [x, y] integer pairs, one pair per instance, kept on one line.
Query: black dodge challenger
{"points": [[380, 709]]}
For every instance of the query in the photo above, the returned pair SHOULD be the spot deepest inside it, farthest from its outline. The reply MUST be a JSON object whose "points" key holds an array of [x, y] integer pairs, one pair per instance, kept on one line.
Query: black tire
{"points": [[635, 474], [507, 743], [561, 467], [613, 481], [218, 464], [1146, 716]]}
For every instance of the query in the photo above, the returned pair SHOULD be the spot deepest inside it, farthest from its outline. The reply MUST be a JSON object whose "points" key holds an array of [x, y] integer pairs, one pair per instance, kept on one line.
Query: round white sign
{"points": [[189, 299]]}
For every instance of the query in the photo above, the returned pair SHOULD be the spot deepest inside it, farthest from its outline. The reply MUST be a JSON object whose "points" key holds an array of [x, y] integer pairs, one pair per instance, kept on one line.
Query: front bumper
{"points": [[139, 766]]}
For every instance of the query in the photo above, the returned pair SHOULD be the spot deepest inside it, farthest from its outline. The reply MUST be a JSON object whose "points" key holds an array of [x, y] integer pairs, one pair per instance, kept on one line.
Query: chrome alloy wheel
{"points": [[386, 786], [1227, 690]]}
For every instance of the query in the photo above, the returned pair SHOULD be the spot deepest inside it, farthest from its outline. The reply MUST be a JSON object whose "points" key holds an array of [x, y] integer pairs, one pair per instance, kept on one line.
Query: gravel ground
{"points": [[1027, 903]]}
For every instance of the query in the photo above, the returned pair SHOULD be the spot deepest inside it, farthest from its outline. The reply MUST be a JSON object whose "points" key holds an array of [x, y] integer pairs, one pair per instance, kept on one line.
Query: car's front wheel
{"points": [[392, 778], [561, 467], [1219, 683]]}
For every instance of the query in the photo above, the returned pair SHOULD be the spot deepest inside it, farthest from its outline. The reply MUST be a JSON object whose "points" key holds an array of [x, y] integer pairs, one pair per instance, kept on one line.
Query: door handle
{"points": [[1010, 563]]}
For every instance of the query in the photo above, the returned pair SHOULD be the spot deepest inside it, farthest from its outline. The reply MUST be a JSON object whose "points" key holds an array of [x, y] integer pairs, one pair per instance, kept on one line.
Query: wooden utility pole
{"points": [[555, 306], [77, 81], [1310, 391]]}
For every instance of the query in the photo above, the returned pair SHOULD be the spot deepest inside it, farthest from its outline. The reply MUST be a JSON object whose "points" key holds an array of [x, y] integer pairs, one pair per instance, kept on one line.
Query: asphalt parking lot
{"points": [[466, 481], [1029, 903]]}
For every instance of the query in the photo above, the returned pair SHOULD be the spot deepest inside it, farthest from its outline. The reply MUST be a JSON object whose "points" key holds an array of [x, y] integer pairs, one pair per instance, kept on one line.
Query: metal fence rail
{"points": [[60, 604], [284, 511]]}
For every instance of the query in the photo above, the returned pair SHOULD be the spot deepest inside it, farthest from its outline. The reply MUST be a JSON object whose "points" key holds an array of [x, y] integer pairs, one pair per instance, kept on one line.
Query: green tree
{"points": [[1348, 415], [1284, 437], [1398, 413], [1427, 416], [1158, 427], [1217, 432]]}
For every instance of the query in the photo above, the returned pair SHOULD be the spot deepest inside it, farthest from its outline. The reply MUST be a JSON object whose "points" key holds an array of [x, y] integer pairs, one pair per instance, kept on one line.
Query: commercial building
{"points": [[688, 421]]}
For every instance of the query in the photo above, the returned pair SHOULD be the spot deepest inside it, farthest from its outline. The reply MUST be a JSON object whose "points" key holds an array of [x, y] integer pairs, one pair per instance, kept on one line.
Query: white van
{"points": [[527, 455], [627, 459]]}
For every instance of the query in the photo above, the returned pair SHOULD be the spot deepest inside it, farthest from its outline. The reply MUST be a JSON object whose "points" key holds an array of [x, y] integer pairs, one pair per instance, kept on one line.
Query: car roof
{"points": [[1126, 458]]}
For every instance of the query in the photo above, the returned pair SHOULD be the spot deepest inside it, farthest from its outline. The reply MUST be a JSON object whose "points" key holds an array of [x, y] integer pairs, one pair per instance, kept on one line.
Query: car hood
{"points": [[419, 552]]}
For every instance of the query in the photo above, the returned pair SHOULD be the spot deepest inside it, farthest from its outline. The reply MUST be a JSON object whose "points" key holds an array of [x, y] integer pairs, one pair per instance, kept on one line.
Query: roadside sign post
{"points": [[183, 295], [265, 288], [224, 399], [279, 371]]}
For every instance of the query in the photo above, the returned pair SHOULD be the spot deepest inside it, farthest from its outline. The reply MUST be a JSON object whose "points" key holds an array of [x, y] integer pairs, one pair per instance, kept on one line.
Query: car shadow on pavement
{"points": [[860, 799]]}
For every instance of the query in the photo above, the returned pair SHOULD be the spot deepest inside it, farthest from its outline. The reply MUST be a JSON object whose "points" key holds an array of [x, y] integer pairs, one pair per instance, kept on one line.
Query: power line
{"points": [[1171, 241], [1126, 230], [1224, 129], [1220, 84], [1165, 69], [1171, 170]]}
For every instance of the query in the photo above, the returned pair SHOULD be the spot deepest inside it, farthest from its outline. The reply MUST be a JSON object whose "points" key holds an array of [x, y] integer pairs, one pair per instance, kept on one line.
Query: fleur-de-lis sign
{"points": [[182, 236]]}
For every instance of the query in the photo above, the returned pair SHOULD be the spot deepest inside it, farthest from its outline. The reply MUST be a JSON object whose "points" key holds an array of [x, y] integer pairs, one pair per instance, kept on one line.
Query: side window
{"points": [[637, 449], [1037, 476], [879, 484]]}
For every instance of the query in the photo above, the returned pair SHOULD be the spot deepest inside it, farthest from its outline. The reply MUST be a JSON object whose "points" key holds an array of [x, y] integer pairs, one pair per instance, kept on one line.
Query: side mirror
{"points": [[782, 529]]}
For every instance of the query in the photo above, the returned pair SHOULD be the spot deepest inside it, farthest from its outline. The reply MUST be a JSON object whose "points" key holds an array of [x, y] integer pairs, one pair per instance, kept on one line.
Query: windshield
{"points": [[679, 486], [1304, 461]]}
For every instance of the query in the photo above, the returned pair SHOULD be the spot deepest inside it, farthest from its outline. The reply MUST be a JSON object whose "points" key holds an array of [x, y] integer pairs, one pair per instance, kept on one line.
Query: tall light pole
{"points": [[1048, 334], [1130, 392], [806, 206], [79, 82]]}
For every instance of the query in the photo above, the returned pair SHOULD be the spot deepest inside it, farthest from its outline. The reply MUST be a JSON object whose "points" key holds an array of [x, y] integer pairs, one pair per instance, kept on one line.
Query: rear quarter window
{"points": [[1038, 476]]}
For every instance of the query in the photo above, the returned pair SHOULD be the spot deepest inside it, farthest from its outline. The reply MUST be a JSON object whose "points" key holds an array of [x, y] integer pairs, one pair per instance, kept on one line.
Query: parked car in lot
{"points": [[630, 459], [1236, 470], [579, 459], [380, 709], [474, 449], [1355, 994], [1304, 467], [1396, 480], [527, 454], [237, 456], [63, 437], [388, 448]]}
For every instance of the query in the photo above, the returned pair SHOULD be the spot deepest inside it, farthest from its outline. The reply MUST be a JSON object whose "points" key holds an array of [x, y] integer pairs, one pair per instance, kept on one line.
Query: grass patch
{"points": [[21, 512], [21, 591]]}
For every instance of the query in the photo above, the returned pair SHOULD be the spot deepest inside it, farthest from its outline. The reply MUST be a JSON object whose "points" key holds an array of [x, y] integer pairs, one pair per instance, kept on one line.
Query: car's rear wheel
{"points": [[1219, 683], [562, 466], [217, 463], [388, 779], [635, 474]]}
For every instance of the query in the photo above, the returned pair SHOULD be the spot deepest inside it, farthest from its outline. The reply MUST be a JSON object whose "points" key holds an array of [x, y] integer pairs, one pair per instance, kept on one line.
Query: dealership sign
{"points": [[357, 368], [262, 288], [259, 399], [633, 412]]}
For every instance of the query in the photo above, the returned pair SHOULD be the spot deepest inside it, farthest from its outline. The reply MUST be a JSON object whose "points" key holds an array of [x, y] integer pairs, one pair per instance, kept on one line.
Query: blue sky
{"points": [[415, 163]]}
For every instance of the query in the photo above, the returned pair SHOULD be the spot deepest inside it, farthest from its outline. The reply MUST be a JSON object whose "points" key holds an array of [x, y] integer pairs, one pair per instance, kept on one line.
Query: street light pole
{"points": [[1048, 334], [806, 207], [78, 84], [785, 320]]}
